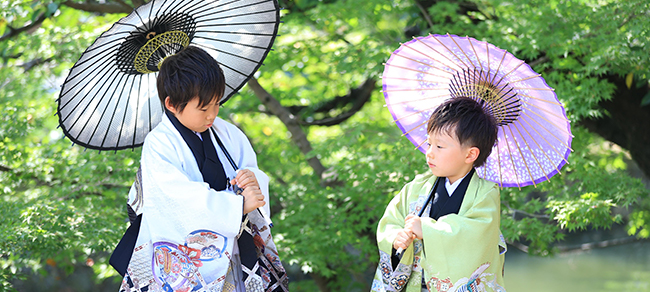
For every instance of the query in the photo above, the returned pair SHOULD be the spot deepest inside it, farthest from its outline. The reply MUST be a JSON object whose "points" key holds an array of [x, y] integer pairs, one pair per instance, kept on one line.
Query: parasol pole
{"points": [[238, 190]]}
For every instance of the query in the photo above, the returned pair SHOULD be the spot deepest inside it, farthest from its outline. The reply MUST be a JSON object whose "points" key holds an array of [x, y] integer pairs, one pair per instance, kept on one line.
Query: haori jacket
{"points": [[188, 235], [458, 252]]}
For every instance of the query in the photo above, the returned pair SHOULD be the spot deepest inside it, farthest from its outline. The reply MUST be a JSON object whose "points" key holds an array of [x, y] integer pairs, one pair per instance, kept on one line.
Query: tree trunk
{"points": [[298, 136], [627, 122], [321, 282]]}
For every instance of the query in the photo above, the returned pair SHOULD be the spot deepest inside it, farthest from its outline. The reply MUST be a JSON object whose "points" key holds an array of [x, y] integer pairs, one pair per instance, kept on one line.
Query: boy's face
{"points": [[447, 158], [195, 118]]}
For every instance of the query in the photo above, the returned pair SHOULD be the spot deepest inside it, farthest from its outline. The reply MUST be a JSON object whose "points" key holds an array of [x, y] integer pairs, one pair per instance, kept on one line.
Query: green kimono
{"points": [[458, 252]]}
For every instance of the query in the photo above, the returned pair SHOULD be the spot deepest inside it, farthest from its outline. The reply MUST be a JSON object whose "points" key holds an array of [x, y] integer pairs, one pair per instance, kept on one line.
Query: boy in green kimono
{"points": [[456, 245]]}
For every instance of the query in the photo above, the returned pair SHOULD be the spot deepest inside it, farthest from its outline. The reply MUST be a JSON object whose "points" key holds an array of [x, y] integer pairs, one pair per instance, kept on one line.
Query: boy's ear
{"points": [[169, 106], [472, 155]]}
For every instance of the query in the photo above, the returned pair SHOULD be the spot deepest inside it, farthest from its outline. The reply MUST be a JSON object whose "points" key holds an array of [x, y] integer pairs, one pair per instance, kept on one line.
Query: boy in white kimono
{"points": [[196, 233], [456, 245]]}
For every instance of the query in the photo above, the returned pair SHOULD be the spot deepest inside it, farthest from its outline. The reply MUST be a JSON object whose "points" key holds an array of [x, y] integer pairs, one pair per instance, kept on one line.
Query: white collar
{"points": [[452, 187]]}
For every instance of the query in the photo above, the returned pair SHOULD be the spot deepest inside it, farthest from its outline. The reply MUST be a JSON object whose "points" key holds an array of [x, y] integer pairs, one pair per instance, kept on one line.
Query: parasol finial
{"points": [[167, 38]]}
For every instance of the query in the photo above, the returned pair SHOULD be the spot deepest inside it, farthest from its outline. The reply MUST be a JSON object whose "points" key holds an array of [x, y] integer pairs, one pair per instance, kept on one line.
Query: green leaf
{"points": [[51, 9], [646, 99], [628, 80]]}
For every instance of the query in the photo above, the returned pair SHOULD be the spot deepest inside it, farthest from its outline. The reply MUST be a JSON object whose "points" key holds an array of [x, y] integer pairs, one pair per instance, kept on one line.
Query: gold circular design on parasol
{"points": [[500, 101], [152, 45]]}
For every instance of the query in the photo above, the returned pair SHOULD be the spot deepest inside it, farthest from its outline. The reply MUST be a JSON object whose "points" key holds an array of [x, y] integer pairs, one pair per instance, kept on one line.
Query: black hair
{"points": [[187, 74], [470, 123]]}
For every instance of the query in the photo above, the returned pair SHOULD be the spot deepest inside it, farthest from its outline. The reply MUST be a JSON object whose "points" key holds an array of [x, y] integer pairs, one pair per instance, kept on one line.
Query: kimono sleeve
{"points": [[173, 204], [388, 278]]}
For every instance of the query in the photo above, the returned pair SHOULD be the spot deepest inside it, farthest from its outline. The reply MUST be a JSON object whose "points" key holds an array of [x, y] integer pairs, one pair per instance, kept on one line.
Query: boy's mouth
{"points": [[208, 125]]}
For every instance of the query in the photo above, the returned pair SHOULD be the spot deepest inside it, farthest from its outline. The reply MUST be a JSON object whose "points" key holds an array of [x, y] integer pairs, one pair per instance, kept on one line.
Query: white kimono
{"points": [[189, 230]]}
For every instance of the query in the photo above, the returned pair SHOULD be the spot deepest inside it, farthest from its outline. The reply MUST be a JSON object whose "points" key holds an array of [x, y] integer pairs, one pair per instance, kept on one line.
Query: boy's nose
{"points": [[429, 153], [213, 114]]}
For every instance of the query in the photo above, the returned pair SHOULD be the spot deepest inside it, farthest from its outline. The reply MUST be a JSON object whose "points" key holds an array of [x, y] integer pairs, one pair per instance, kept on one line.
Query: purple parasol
{"points": [[534, 139]]}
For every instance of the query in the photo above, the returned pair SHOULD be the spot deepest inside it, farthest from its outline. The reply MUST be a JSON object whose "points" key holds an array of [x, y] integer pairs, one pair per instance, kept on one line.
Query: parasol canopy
{"points": [[109, 100], [534, 137]]}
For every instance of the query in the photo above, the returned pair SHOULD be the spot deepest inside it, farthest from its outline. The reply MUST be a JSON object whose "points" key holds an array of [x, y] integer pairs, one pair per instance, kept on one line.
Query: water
{"points": [[618, 268]]}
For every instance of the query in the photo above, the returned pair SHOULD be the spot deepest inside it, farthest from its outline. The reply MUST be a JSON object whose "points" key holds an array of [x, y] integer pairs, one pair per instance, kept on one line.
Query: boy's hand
{"points": [[413, 224], [253, 198], [403, 239], [244, 179]]}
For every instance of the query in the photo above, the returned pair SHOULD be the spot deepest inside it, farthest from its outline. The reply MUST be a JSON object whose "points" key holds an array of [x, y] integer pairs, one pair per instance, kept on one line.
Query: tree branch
{"points": [[515, 211], [16, 31], [541, 60], [119, 7], [138, 3], [627, 19], [518, 245], [33, 177], [598, 244], [298, 136], [33, 63], [120, 2], [41, 182], [424, 12], [358, 97]]}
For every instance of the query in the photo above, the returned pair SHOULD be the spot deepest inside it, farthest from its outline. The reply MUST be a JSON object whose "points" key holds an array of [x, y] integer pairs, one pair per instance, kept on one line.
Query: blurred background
{"points": [[314, 113]]}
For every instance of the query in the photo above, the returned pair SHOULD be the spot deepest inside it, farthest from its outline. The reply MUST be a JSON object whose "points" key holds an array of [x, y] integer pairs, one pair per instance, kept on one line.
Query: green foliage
{"points": [[582, 40], [62, 205], [640, 220], [578, 214], [58, 202], [330, 230], [582, 197]]}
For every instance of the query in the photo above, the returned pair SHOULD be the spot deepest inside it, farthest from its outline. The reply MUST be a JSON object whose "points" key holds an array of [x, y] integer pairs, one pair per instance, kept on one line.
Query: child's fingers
{"points": [[246, 182], [246, 178], [243, 174], [401, 243], [253, 199], [410, 234], [409, 224], [260, 203], [403, 239], [405, 243]]}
